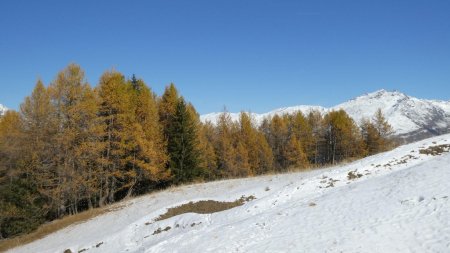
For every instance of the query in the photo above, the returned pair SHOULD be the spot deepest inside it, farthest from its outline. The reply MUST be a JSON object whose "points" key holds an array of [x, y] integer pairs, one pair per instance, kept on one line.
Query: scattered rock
{"points": [[353, 175], [159, 230]]}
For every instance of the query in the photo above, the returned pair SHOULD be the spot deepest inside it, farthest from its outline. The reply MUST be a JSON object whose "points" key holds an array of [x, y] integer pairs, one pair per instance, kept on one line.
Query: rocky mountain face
{"points": [[412, 118]]}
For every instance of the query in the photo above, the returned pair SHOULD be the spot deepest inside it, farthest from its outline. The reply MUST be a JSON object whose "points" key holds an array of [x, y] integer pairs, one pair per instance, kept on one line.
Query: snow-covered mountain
{"points": [[398, 201], [412, 118], [3, 109]]}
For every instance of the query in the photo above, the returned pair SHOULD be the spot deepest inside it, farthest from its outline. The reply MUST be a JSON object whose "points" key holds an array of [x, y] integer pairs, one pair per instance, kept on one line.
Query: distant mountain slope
{"points": [[3, 109], [398, 201], [412, 118]]}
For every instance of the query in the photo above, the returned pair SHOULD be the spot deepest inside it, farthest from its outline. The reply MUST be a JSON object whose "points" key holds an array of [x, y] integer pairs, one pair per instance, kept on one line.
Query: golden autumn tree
{"points": [[208, 159], [40, 130], [125, 148], [342, 137], [225, 150], [75, 115], [376, 133], [152, 146]]}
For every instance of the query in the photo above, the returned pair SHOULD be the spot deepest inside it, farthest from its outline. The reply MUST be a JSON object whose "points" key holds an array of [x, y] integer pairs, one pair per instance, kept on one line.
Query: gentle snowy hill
{"points": [[411, 118], [398, 201], [3, 109]]}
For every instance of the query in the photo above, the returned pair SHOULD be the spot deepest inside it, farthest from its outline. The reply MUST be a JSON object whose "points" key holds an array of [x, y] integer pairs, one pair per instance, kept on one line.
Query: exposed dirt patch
{"points": [[435, 150], [204, 207]]}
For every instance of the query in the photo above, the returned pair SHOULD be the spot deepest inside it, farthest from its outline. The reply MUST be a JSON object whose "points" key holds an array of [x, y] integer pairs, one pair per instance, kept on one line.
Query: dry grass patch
{"points": [[435, 150], [353, 175], [52, 227], [204, 207]]}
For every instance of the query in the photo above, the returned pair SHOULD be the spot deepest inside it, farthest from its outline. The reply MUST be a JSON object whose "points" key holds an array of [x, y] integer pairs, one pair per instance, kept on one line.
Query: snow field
{"points": [[396, 201]]}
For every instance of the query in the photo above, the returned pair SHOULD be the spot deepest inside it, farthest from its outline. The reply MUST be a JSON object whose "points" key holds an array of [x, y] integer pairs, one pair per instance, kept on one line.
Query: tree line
{"points": [[72, 147]]}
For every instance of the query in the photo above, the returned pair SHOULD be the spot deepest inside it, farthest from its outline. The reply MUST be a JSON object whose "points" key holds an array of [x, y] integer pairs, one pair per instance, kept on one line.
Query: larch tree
{"points": [[225, 151], [342, 137], [300, 127], [294, 155], [278, 137], [76, 119], [152, 146], [167, 107], [376, 133], [384, 130], [20, 203], [208, 159], [39, 129], [120, 134], [314, 153]]}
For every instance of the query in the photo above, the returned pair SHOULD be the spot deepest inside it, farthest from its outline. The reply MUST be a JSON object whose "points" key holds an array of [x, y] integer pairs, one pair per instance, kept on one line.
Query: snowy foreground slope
{"points": [[399, 203], [411, 118]]}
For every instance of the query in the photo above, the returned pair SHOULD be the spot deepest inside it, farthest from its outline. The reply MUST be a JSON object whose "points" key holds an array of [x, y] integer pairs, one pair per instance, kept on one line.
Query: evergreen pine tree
{"points": [[182, 145]]}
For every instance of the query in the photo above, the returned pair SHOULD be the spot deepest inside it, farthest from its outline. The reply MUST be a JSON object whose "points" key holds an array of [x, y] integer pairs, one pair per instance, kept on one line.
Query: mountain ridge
{"points": [[412, 118]]}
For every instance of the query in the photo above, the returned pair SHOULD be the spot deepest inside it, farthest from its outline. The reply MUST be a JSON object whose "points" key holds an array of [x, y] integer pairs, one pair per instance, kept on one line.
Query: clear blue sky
{"points": [[246, 54]]}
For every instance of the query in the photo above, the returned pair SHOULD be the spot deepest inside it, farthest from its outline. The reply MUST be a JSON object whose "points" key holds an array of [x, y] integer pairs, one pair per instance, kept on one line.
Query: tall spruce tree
{"points": [[182, 145]]}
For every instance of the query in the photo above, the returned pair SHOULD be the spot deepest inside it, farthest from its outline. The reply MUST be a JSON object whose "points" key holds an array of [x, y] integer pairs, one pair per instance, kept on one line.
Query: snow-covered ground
{"points": [[400, 203]]}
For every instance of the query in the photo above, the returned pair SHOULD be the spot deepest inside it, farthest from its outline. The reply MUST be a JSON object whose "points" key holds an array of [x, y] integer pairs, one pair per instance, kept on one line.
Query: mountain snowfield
{"points": [[411, 118], [398, 201]]}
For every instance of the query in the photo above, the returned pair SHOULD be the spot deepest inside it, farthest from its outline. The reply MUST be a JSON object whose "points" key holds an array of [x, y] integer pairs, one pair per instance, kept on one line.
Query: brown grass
{"points": [[435, 150], [52, 227], [353, 175], [204, 207]]}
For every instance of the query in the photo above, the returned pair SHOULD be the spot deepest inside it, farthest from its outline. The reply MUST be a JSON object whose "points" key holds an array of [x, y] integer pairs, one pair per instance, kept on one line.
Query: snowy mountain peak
{"points": [[412, 118], [383, 95], [3, 109]]}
